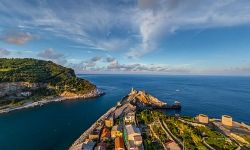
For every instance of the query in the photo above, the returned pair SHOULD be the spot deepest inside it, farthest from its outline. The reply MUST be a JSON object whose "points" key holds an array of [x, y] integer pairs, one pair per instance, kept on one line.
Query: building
{"points": [[109, 122], [131, 146], [202, 118], [138, 140], [133, 137], [94, 135], [89, 145], [105, 135], [116, 131], [119, 143], [172, 145], [101, 146], [129, 118], [26, 94], [227, 120]]}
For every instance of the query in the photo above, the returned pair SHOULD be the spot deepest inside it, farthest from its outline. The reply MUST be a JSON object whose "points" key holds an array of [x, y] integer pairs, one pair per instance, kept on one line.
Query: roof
{"points": [[203, 115], [132, 145], [105, 133], [119, 143], [137, 138], [88, 145], [116, 128], [131, 129], [226, 116], [102, 145], [172, 145]]}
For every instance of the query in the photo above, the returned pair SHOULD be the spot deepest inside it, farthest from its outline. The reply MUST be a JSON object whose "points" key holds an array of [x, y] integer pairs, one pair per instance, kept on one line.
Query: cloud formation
{"points": [[51, 54], [136, 27], [110, 64], [17, 38], [91, 63], [4, 52]]}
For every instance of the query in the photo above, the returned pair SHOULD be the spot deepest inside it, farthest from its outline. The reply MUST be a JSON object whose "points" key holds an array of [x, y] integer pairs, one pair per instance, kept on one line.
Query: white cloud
{"points": [[110, 64], [51, 54], [4, 52], [106, 25], [156, 19]]}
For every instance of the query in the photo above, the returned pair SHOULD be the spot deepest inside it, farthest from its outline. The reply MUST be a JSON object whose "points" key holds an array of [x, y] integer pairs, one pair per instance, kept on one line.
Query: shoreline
{"points": [[92, 94], [85, 134]]}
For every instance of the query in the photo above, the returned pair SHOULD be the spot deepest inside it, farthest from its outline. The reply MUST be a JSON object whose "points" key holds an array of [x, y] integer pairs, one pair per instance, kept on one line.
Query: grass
{"points": [[192, 136], [5, 69], [216, 139]]}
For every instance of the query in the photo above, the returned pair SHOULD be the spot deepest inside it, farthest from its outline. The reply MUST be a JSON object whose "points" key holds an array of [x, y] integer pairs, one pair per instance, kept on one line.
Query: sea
{"points": [[55, 126]]}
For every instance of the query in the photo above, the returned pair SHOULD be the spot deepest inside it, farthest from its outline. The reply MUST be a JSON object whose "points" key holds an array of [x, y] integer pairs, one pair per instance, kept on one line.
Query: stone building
{"points": [[227, 120], [202, 118]]}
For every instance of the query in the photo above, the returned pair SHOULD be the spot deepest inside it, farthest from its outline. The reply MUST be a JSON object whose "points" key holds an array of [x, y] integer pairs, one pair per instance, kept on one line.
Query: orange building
{"points": [[227, 120], [105, 135], [119, 144], [202, 118]]}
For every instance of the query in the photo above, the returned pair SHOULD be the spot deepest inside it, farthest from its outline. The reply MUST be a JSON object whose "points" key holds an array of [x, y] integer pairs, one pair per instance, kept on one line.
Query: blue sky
{"points": [[130, 36]]}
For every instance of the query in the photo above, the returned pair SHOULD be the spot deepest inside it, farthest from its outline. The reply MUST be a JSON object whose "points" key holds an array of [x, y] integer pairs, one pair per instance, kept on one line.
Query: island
{"points": [[138, 122], [30, 82]]}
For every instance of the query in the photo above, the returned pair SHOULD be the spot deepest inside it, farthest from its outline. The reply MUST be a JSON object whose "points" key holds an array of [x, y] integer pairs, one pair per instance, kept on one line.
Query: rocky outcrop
{"points": [[69, 94], [72, 95], [144, 98]]}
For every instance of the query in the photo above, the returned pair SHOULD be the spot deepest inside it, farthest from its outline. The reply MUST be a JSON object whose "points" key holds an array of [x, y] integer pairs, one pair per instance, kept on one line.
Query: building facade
{"points": [[202, 118], [227, 120]]}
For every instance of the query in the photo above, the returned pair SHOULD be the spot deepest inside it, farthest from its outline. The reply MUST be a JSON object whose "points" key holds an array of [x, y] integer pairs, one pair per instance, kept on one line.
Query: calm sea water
{"points": [[56, 125]]}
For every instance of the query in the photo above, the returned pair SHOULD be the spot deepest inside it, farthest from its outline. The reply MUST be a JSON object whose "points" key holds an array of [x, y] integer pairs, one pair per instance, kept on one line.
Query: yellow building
{"points": [[202, 118], [227, 120], [116, 131], [109, 123]]}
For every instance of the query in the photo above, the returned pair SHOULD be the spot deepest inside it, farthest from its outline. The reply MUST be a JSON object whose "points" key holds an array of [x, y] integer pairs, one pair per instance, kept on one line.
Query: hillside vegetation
{"points": [[48, 77]]}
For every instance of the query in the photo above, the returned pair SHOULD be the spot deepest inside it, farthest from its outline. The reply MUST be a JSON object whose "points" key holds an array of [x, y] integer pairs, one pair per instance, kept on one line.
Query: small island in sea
{"points": [[31, 82], [137, 122]]}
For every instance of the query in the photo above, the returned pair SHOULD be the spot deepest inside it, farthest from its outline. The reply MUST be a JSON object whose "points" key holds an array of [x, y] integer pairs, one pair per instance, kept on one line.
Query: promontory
{"points": [[29, 82]]}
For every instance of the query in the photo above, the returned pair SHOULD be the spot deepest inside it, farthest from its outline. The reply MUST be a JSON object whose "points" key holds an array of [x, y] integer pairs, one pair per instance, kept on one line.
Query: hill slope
{"points": [[31, 79]]}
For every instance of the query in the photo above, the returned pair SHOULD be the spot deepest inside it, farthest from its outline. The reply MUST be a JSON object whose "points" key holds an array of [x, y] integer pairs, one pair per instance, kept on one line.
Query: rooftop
{"points": [[131, 129], [203, 115], [117, 128], [119, 143], [226, 116]]}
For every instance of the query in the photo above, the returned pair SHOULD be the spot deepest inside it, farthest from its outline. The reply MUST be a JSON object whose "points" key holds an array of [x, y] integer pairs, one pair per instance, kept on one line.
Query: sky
{"points": [[130, 36]]}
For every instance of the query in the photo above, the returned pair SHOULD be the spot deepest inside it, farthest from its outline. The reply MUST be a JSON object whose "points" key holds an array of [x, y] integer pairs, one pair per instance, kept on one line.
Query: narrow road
{"points": [[171, 135], [156, 136]]}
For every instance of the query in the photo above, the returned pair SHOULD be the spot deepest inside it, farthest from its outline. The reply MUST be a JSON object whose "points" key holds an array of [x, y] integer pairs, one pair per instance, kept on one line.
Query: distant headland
{"points": [[136, 123], [30, 82]]}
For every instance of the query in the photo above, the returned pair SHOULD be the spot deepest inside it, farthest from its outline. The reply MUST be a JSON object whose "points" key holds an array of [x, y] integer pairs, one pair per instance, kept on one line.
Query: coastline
{"points": [[85, 134], [92, 94], [100, 133]]}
